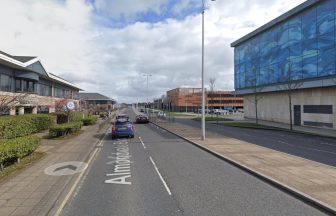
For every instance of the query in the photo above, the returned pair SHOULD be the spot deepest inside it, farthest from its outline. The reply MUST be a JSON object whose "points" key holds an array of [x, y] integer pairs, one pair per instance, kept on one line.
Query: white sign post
{"points": [[71, 105]]}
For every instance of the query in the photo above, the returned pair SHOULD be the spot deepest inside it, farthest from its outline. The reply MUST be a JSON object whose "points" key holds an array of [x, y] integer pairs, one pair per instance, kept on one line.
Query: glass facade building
{"points": [[299, 48]]}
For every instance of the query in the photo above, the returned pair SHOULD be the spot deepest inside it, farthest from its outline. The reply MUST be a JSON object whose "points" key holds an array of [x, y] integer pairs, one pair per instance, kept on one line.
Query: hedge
{"points": [[24, 125], [17, 148], [64, 129], [78, 116], [90, 121]]}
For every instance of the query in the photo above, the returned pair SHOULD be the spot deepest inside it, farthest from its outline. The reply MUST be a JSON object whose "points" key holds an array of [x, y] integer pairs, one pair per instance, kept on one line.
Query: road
{"points": [[160, 174], [316, 148]]}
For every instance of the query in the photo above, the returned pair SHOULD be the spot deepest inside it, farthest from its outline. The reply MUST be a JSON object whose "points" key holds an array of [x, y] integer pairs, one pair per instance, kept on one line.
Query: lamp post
{"points": [[147, 75], [203, 93]]}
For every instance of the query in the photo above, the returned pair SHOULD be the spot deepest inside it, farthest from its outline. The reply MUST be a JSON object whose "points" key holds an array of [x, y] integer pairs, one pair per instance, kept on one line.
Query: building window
{"points": [[59, 93], [18, 85], [318, 109], [5, 82], [44, 90]]}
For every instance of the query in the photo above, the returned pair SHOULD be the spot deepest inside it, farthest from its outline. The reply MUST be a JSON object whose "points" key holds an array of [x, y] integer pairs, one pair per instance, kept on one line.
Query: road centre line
{"points": [[143, 144], [163, 181]]}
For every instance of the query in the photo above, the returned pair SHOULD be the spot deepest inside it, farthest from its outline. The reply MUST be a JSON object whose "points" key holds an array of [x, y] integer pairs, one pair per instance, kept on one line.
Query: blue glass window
{"points": [[273, 73], [309, 24], [309, 65], [326, 62], [296, 68], [325, 18]]}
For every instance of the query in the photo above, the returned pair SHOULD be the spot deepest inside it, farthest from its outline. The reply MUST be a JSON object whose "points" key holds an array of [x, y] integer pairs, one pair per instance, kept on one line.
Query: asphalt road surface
{"points": [[160, 174], [316, 148]]}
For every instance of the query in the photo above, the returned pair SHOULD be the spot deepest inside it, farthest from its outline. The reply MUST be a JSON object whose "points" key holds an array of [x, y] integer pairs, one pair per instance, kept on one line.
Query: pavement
{"points": [[311, 181], [158, 173], [31, 191]]}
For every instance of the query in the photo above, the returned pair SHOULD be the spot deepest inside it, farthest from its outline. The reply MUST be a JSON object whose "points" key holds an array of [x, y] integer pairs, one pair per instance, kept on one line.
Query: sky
{"points": [[107, 46]]}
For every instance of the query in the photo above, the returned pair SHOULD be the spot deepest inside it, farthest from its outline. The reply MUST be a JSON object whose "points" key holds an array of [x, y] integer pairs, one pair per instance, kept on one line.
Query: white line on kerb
{"points": [[163, 181], [143, 144]]}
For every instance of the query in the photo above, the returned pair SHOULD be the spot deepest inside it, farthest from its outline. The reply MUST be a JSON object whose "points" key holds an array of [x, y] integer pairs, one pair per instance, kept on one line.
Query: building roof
{"points": [[26, 62], [305, 5], [93, 96], [22, 59]]}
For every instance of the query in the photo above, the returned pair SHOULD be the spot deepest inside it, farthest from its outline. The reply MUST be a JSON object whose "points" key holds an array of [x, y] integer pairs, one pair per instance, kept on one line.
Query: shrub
{"points": [[78, 116], [64, 129], [17, 148], [103, 114], [90, 120], [24, 125]]}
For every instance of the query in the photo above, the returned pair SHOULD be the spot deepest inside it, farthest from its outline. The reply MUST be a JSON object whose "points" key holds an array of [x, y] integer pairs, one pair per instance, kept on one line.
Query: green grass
{"points": [[251, 125], [26, 161], [214, 118]]}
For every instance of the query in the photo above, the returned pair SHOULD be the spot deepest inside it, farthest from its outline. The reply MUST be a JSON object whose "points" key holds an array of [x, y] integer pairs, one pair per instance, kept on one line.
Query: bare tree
{"points": [[253, 83], [212, 88], [289, 87], [10, 100]]}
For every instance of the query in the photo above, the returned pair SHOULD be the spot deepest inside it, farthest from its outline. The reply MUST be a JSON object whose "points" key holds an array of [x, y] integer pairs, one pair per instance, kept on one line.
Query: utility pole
{"points": [[147, 75]]}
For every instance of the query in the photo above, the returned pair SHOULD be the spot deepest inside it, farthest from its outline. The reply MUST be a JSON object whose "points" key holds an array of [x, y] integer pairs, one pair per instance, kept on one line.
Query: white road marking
{"points": [[328, 144], [143, 144], [284, 142], [72, 189], [121, 161], [163, 181]]}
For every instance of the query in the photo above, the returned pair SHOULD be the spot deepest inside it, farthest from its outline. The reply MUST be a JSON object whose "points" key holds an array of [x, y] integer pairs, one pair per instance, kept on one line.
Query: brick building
{"points": [[97, 102], [26, 87], [190, 100]]}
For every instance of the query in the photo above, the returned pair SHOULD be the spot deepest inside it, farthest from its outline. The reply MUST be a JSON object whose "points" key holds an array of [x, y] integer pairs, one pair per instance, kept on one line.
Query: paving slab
{"points": [[313, 181], [30, 191]]}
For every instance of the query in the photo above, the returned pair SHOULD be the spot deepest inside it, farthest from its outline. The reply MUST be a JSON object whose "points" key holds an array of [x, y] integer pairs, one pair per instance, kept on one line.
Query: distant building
{"points": [[97, 102], [294, 55], [190, 100], [25, 82]]}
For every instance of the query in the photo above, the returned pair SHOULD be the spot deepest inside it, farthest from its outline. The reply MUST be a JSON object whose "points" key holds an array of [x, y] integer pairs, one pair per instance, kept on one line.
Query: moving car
{"points": [[122, 128], [142, 119], [122, 117]]}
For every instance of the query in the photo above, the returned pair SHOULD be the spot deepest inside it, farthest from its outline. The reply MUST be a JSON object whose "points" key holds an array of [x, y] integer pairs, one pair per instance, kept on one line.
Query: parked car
{"points": [[122, 128], [142, 110], [142, 119], [221, 112], [161, 114]]}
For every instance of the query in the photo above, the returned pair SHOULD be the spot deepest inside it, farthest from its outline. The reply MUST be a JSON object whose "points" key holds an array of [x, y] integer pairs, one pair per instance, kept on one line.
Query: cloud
{"points": [[127, 9], [73, 43]]}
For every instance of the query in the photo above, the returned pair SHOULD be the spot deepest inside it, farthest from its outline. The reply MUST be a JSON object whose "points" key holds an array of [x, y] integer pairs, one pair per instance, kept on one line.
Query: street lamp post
{"points": [[203, 92], [147, 75]]}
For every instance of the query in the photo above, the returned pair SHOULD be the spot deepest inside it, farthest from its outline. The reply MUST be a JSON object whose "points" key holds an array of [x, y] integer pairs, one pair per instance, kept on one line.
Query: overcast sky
{"points": [[106, 46]]}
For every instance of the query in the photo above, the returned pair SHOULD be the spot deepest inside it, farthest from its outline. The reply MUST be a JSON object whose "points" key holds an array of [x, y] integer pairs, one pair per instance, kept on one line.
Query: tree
{"points": [[10, 100], [61, 106], [290, 85], [253, 83], [212, 88]]}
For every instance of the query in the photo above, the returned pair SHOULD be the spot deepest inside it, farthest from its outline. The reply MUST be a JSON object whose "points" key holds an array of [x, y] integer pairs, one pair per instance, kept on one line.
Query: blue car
{"points": [[122, 128]]}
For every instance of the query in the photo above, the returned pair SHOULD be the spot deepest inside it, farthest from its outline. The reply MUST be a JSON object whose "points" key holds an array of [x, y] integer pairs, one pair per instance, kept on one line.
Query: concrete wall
{"points": [[274, 106]]}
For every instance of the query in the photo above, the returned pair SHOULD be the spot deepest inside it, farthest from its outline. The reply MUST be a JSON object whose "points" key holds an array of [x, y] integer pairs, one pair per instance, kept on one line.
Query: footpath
{"points": [[313, 182], [31, 191]]}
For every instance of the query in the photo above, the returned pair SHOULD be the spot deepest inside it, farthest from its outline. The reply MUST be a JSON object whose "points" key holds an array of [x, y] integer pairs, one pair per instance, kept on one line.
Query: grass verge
{"points": [[212, 119], [251, 125], [26, 161]]}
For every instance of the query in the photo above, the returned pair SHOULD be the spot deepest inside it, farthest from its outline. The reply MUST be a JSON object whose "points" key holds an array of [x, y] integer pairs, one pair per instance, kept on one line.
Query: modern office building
{"points": [[26, 87], [293, 55], [190, 100], [97, 102]]}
